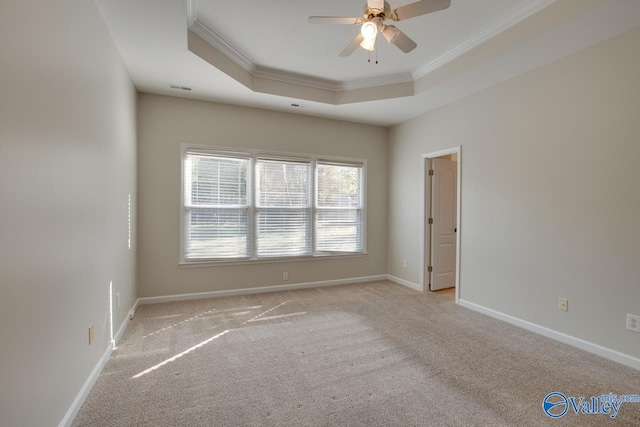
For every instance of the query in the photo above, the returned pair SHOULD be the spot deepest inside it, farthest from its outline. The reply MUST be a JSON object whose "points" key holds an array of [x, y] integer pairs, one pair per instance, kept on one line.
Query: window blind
{"points": [[217, 206], [244, 206], [339, 203], [283, 208]]}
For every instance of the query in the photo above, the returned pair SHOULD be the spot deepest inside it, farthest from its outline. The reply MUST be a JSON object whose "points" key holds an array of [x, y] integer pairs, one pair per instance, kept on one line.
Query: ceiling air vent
{"points": [[178, 87]]}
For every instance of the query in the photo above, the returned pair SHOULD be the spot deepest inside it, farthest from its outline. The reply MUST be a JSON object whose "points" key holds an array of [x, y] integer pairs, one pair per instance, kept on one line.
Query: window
{"points": [[283, 208], [339, 208], [251, 206], [216, 206]]}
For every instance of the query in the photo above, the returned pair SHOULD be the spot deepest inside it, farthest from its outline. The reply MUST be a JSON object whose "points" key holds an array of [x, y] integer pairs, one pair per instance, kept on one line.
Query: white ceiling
{"points": [[465, 48], [275, 34]]}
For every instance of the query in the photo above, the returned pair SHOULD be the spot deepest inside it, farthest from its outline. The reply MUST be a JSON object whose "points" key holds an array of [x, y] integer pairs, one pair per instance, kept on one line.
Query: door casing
{"points": [[425, 206]]}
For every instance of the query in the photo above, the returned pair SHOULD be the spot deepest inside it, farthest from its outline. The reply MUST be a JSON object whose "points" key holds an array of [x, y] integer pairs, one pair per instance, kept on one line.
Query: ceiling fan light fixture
{"points": [[368, 44], [369, 31], [390, 33]]}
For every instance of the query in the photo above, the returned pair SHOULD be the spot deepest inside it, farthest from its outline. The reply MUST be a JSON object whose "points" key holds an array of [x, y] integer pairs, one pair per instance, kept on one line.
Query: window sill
{"points": [[216, 263]]}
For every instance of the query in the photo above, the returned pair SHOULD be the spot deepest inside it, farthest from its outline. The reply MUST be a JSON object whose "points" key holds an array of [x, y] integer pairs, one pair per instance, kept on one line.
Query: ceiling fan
{"points": [[376, 12]]}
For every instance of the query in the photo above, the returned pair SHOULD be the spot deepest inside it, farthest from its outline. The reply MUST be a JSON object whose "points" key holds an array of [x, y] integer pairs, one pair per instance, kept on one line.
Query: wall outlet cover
{"points": [[633, 322], [563, 304]]}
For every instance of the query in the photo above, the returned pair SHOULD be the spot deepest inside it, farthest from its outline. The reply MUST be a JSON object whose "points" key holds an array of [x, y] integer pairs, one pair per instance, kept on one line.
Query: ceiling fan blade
{"points": [[353, 45], [403, 42], [375, 4], [334, 20], [419, 8]]}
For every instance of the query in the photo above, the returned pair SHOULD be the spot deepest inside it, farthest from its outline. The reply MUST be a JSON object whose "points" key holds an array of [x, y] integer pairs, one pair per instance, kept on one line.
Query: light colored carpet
{"points": [[360, 355]]}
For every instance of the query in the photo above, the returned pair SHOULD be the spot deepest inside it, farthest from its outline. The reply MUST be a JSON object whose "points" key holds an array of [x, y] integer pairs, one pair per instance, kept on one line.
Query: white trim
{"points": [[67, 420], [376, 81], [118, 334], [406, 283], [225, 48], [132, 312], [192, 12], [259, 289], [295, 78], [84, 391], [208, 35], [423, 194], [605, 352], [504, 23], [424, 188]]}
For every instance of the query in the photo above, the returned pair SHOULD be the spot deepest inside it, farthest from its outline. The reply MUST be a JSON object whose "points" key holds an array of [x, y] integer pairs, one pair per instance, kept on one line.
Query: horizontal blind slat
{"points": [[215, 181], [217, 233], [282, 184], [283, 208], [216, 202], [339, 200], [339, 230], [283, 232]]}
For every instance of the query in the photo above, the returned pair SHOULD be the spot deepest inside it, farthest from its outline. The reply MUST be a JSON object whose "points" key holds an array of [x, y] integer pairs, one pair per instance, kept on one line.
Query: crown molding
{"points": [[243, 62], [192, 12], [294, 78], [225, 48], [377, 81], [504, 23]]}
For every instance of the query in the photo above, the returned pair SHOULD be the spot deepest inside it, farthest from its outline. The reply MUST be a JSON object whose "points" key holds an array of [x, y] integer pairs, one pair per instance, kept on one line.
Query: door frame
{"points": [[425, 238]]}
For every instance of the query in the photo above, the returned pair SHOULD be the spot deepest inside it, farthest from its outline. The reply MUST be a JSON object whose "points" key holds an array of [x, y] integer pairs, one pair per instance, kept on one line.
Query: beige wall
{"points": [[543, 214], [164, 123], [67, 166]]}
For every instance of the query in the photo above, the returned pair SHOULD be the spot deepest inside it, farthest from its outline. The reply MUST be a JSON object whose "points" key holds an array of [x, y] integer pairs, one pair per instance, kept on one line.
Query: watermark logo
{"points": [[556, 404]]}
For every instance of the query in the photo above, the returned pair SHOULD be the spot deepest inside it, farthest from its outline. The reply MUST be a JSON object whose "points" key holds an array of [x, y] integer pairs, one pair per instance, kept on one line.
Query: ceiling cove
{"points": [[209, 46]]}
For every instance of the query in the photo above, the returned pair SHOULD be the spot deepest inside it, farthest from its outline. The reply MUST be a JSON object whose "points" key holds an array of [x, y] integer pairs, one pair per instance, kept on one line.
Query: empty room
{"points": [[303, 213]]}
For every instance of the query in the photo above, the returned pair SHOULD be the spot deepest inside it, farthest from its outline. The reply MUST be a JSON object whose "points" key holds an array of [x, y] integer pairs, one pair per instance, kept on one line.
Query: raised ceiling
{"points": [[276, 35], [264, 53]]}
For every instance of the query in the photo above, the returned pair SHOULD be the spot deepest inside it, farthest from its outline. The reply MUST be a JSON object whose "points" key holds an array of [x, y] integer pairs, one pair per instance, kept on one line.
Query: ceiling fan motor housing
{"points": [[384, 13]]}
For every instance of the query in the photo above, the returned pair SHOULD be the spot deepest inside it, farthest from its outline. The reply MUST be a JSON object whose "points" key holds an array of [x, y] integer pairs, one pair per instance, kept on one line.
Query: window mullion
{"points": [[313, 203], [253, 197]]}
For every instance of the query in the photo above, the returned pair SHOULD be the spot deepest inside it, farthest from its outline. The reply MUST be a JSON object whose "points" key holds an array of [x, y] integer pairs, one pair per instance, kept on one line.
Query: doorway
{"points": [[441, 222]]}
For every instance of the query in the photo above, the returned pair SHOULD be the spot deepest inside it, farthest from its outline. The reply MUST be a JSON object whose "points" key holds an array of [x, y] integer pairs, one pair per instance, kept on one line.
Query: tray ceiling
{"points": [[265, 54]]}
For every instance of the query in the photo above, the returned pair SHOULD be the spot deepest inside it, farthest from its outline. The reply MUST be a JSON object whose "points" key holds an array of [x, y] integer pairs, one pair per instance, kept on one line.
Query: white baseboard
{"points": [[118, 335], [91, 380], [406, 283], [84, 391], [258, 290], [607, 353], [132, 312]]}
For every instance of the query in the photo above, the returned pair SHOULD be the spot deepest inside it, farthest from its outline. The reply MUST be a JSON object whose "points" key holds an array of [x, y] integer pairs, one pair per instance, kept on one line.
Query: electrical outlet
{"points": [[90, 334], [118, 300], [404, 263], [633, 322], [285, 276], [563, 304]]}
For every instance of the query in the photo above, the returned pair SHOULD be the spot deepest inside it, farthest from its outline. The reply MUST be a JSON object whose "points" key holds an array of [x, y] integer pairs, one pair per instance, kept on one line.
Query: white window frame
{"points": [[316, 209], [308, 210], [285, 156]]}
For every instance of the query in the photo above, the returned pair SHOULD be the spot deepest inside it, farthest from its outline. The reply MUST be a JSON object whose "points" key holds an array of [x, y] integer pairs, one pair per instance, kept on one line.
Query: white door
{"points": [[444, 184]]}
